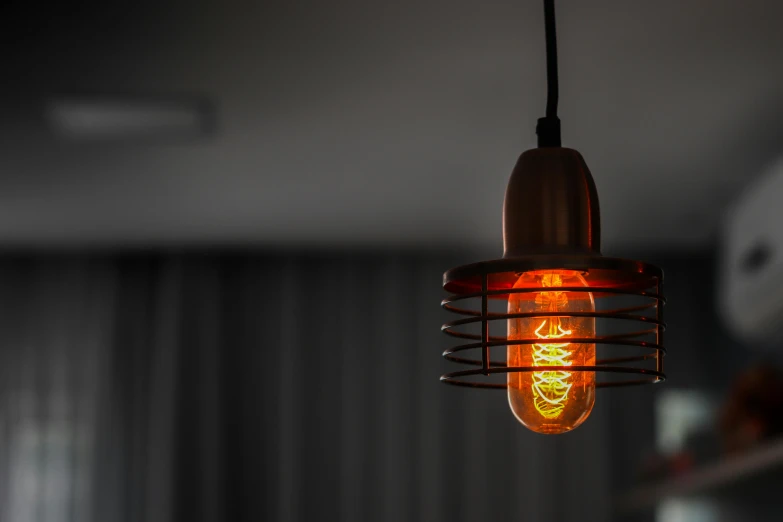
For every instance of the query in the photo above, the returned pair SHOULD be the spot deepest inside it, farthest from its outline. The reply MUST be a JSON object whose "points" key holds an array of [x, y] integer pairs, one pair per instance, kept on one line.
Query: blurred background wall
{"points": [[223, 227], [247, 386]]}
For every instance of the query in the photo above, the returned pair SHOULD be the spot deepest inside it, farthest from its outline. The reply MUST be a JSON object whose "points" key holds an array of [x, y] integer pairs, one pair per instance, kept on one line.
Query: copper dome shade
{"points": [[551, 205]]}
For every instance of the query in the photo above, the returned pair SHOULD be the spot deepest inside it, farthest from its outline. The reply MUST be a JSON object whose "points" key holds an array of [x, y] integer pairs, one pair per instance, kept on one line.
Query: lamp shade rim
{"points": [[607, 272]]}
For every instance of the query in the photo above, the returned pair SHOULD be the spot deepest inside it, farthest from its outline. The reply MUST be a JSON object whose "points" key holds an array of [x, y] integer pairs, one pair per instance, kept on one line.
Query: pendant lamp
{"points": [[568, 319]]}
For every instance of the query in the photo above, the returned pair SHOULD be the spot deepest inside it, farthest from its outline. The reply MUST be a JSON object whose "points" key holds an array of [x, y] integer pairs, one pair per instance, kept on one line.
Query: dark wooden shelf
{"points": [[731, 476]]}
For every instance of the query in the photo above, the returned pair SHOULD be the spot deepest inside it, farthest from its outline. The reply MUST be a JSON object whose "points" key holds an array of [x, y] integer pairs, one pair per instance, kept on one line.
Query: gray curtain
{"points": [[254, 386]]}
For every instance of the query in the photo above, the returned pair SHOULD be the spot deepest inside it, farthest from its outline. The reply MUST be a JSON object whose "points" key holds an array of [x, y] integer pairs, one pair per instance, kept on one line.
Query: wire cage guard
{"points": [[607, 279]]}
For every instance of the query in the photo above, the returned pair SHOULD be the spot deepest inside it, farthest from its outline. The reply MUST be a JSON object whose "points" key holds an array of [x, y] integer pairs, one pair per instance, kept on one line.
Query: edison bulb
{"points": [[551, 401]]}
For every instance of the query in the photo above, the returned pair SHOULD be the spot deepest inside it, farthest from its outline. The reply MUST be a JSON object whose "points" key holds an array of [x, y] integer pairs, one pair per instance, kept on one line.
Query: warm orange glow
{"points": [[553, 401]]}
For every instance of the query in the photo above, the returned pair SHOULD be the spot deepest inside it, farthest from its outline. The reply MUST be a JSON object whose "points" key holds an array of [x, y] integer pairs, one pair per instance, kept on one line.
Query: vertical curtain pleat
{"points": [[391, 347], [352, 388], [164, 344], [290, 389], [430, 439]]}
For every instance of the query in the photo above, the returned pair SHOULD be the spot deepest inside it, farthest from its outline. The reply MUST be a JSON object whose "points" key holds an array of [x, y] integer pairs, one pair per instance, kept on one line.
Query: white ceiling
{"points": [[389, 123]]}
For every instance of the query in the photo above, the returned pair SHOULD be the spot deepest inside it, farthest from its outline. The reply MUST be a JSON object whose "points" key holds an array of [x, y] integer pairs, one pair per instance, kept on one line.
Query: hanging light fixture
{"points": [[561, 298]]}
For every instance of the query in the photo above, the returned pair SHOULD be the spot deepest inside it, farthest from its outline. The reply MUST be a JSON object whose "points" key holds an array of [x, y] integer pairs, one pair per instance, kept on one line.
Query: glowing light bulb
{"points": [[551, 401]]}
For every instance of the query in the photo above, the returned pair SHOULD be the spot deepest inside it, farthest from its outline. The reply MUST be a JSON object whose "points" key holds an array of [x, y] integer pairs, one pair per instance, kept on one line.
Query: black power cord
{"points": [[548, 128]]}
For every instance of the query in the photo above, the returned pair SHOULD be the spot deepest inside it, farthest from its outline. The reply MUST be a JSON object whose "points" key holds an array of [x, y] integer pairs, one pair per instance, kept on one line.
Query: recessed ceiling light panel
{"points": [[129, 118]]}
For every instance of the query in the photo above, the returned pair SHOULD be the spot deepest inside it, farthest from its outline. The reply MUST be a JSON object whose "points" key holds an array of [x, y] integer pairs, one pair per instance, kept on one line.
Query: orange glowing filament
{"points": [[550, 389]]}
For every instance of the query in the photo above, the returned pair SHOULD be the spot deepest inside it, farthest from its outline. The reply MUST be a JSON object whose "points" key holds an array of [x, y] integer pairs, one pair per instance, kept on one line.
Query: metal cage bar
{"points": [[650, 290], [484, 326]]}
